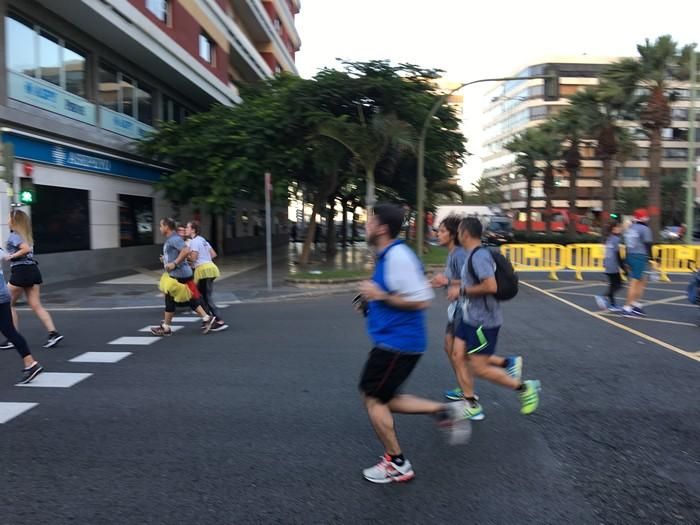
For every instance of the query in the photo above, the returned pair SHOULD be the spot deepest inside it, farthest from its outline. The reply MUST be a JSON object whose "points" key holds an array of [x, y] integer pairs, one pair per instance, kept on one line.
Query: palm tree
{"points": [[369, 141], [526, 158], [602, 110], [547, 148], [659, 62], [569, 124]]}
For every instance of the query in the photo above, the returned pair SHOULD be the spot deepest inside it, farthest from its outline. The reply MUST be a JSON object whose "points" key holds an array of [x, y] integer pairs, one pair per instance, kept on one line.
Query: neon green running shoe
{"points": [[530, 397]]}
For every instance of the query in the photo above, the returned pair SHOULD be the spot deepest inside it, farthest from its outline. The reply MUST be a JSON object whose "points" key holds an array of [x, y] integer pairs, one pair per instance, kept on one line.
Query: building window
{"points": [[278, 25], [278, 69], [135, 220], [160, 9], [206, 49], [33, 51], [123, 94], [61, 220]]}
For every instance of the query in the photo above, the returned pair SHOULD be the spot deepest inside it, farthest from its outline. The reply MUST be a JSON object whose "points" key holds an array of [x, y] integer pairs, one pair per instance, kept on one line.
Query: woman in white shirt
{"points": [[205, 272]]}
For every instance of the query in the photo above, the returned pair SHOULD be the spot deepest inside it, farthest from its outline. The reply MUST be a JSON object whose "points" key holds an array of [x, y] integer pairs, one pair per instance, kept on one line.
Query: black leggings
{"points": [[194, 302], [615, 284], [7, 327], [206, 288]]}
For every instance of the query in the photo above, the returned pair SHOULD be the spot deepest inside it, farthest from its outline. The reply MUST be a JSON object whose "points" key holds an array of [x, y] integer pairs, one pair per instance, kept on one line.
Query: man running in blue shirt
{"points": [[397, 295]]}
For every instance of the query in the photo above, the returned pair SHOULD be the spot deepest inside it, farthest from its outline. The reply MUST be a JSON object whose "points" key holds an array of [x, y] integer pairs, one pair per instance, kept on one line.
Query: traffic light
{"points": [[27, 192]]}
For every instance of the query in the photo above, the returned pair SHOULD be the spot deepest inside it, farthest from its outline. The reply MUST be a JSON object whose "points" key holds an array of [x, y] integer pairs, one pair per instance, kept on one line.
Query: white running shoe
{"points": [[386, 471]]}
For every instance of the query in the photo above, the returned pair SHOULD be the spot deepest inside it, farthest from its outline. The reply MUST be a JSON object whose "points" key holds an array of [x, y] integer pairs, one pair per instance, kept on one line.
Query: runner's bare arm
{"points": [[486, 287]]}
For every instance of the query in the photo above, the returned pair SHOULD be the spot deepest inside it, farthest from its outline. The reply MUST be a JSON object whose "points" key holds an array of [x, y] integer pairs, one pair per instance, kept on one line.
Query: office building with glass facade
{"points": [[513, 106], [84, 80]]}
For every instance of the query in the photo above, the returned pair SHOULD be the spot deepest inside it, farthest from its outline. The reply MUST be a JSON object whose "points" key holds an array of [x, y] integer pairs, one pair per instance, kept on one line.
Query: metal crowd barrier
{"points": [[671, 258], [536, 257]]}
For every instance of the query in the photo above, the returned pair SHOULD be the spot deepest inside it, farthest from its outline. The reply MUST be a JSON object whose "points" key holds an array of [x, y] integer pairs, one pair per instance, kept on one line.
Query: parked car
{"points": [[672, 233], [499, 230]]}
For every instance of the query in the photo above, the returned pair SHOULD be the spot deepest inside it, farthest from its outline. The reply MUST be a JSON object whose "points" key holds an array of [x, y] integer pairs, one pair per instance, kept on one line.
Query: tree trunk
{"points": [[353, 232], [607, 188], [573, 190], [220, 235], [371, 192], [528, 204], [654, 202], [311, 231], [345, 223], [548, 191], [331, 248]]}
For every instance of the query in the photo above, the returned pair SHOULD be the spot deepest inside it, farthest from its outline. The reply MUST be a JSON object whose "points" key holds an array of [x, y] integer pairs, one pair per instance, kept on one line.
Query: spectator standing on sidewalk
{"points": [[25, 277]]}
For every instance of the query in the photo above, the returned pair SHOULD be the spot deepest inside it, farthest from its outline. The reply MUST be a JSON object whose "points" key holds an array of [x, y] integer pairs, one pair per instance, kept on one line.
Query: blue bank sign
{"points": [[65, 156]]}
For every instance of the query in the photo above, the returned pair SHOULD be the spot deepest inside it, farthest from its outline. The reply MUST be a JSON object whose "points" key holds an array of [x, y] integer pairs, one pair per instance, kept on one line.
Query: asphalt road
{"points": [[263, 424]]}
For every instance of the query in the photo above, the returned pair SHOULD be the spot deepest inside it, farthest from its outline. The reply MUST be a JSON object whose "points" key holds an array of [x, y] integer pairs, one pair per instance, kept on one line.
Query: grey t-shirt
{"points": [[171, 249], [453, 271], [483, 310], [612, 251], [637, 237], [4, 293], [14, 241], [455, 263]]}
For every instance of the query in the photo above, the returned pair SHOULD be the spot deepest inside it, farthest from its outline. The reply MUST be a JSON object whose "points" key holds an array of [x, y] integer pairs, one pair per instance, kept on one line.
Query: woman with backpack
{"points": [[25, 277]]}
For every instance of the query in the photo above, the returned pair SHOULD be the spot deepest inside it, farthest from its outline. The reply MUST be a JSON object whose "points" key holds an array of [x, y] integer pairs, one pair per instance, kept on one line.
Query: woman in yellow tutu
{"points": [[205, 272]]}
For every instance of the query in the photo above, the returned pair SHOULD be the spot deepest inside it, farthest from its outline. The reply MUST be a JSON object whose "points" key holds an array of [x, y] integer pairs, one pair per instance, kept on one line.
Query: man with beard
{"points": [[397, 296]]}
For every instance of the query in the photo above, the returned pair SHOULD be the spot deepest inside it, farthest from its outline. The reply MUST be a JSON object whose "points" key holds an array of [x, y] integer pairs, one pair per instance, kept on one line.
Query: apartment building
{"points": [[84, 80]]}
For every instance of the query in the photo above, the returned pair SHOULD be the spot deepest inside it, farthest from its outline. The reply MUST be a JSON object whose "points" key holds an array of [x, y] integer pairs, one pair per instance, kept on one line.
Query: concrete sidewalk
{"points": [[243, 279]]}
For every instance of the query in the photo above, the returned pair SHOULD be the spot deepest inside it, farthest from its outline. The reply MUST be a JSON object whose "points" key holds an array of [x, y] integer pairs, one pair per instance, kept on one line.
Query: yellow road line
{"points": [[663, 344]]}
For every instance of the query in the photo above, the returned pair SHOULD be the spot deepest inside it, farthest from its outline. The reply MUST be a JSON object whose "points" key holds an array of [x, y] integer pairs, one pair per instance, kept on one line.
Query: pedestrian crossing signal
{"points": [[27, 193]]}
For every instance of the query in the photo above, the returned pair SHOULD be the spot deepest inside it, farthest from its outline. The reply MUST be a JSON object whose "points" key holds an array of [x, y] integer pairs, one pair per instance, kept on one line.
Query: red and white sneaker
{"points": [[386, 471], [161, 331]]}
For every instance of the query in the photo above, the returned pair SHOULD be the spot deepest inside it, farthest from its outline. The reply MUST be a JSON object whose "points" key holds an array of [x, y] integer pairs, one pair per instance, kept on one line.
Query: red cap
{"points": [[641, 214]]}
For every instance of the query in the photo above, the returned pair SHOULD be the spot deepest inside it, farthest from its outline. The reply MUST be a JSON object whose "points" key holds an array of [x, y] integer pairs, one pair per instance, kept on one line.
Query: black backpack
{"points": [[506, 278]]}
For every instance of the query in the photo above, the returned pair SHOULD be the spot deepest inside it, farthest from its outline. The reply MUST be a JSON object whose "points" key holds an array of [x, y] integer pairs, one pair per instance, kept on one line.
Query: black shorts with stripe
{"points": [[385, 371]]}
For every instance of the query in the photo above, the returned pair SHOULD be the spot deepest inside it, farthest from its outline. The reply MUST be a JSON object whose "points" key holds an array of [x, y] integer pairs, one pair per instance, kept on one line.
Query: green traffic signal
{"points": [[26, 197]]}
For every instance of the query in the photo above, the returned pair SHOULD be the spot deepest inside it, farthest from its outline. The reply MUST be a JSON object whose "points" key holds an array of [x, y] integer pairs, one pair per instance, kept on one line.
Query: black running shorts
{"points": [[384, 373], [25, 275]]}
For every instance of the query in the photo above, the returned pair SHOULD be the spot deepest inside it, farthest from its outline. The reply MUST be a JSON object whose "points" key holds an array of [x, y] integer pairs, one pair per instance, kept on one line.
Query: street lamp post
{"points": [[420, 179], [692, 161]]}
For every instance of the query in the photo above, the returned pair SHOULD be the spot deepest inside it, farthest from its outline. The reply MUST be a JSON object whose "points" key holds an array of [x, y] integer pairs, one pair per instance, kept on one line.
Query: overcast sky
{"points": [[472, 39]]}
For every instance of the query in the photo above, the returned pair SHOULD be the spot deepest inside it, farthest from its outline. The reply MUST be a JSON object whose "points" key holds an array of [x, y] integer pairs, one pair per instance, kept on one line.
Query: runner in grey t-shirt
{"points": [[174, 261], [477, 335]]}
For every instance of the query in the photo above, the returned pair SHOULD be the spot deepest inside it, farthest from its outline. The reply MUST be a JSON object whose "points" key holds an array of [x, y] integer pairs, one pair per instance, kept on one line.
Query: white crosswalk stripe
{"points": [[56, 380], [10, 411], [173, 328], [129, 340], [100, 357]]}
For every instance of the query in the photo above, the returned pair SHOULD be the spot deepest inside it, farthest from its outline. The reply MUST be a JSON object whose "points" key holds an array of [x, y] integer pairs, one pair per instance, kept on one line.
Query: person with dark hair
{"points": [[613, 264], [448, 235], [638, 243], [201, 257], [177, 284], [397, 296], [477, 334]]}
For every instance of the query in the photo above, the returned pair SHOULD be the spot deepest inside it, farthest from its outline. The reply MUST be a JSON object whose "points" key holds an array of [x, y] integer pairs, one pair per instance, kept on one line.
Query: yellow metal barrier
{"points": [[682, 258], [536, 257], [585, 258]]}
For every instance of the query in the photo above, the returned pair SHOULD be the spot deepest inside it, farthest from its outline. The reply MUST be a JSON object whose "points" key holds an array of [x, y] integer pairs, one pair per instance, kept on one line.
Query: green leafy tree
{"points": [[526, 165], [659, 62]]}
